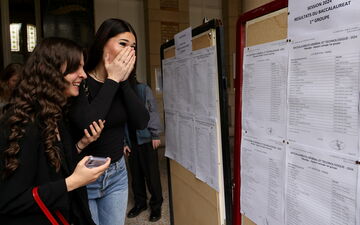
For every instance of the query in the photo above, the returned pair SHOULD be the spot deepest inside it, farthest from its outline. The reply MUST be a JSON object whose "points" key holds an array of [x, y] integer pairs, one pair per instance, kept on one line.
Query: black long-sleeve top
{"points": [[117, 104]]}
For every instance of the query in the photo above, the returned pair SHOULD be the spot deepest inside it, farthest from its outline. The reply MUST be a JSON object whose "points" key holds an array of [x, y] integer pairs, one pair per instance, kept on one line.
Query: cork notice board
{"points": [[193, 201], [262, 25]]}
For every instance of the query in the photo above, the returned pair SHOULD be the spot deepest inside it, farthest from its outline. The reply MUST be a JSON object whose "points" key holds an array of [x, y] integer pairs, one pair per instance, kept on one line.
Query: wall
{"points": [[198, 9], [133, 12], [164, 18], [248, 5]]}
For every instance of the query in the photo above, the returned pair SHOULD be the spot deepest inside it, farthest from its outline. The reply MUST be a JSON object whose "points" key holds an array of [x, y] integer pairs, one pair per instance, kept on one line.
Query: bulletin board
{"points": [[264, 24], [191, 200]]}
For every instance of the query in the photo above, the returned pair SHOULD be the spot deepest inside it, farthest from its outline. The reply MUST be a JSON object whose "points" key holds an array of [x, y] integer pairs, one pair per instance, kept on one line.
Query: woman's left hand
{"points": [[120, 68], [126, 150], [96, 129]]}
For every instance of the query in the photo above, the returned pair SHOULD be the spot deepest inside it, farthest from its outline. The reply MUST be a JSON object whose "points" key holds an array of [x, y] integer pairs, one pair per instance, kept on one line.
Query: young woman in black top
{"points": [[35, 147], [108, 95]]}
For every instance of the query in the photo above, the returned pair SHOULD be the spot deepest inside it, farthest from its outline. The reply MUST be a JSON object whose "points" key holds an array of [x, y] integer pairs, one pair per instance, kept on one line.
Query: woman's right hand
{"points": [[96, 129], [121, 66], [83, 175]]}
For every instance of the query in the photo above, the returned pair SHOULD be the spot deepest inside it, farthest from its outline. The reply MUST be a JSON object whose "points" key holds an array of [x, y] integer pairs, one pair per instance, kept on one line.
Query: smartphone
{"points": [[95, 161]]}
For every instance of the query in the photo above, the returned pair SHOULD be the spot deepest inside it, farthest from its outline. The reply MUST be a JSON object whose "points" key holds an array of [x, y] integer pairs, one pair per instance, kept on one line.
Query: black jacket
{"points": [[17, 205]]}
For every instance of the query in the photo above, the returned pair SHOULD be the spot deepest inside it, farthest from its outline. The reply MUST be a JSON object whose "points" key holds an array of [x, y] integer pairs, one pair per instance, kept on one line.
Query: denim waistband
{"points": [[117, 164]]}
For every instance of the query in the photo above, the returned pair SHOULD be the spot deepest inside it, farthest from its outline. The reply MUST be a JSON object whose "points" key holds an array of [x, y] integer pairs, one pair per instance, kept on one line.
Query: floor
{"points": [[143, 218]]}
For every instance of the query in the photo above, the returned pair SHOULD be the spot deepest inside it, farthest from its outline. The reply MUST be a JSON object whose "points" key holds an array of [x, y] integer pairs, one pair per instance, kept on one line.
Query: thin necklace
{"points": [[96, 77]]}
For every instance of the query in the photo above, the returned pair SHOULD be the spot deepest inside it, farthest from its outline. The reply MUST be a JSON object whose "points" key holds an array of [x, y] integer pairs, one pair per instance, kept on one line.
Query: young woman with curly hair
{"points": [[35, 147]]}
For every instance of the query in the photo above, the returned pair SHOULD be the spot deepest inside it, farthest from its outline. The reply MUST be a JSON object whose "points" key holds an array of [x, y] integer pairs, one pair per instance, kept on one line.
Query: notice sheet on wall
{"points": [[183, 43], [190, 83], [204, 75], [308, 16], [262, 180], [323, 90], [169, 79], [206, 153], [320, 187], [190, 103], [264, 89], [171, 134], [185, 150], [184, 86]]}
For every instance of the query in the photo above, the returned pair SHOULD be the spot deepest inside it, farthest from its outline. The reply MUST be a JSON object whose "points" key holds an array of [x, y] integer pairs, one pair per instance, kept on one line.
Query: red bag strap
{"points": [[46, 210], [61, 217]]}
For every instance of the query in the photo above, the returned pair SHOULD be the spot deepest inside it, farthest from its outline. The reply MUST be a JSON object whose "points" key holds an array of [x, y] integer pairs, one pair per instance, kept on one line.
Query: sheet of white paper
{"points": [[184, 86], [186, 142], [171, 134], [264, 89], [323, 91], [169, 88], [262, 180], [183, 43], [190, 102], [308, 16], [206, 152], [204, 71], [320, 187]]}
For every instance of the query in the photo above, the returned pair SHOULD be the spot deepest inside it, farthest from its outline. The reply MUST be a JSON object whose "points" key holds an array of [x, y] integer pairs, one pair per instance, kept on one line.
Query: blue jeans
{"points": [[108, 195]]}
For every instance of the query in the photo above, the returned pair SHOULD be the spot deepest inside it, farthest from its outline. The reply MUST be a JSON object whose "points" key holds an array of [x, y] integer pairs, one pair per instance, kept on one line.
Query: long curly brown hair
{"points": [[40, 97]]}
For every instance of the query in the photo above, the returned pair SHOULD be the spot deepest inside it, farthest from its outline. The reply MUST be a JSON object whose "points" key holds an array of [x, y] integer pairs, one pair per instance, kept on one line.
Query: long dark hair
{"points": [[108, 29], [40, 96], [10, 70]]}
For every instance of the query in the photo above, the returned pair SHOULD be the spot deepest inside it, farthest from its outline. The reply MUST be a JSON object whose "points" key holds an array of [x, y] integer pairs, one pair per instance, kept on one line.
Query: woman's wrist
{"points": [[113, 78], [71, 184], [80, 146]]}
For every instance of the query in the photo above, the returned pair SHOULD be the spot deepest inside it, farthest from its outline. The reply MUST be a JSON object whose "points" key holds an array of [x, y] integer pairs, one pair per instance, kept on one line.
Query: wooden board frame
{"points": [[166, 51], [240, 45]]}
